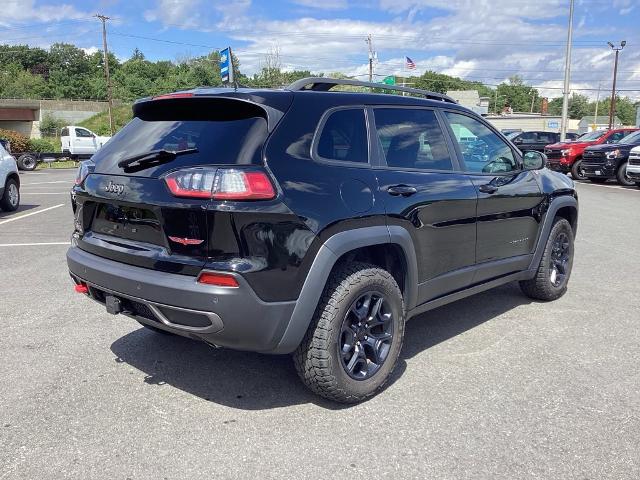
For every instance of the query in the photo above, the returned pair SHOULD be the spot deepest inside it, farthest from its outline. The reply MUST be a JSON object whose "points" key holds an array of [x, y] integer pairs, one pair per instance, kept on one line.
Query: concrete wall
{"points": [[71, 111], [24, 128], [526, 123]]}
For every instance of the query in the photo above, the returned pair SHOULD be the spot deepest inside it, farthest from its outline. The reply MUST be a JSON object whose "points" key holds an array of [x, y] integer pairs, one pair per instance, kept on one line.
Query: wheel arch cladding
{"points": [[13, 176], [357, 242], [565, 206]]}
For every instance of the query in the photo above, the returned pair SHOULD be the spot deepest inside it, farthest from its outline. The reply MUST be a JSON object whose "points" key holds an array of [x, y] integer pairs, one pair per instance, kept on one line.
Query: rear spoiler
{"points": [[215, 104]]}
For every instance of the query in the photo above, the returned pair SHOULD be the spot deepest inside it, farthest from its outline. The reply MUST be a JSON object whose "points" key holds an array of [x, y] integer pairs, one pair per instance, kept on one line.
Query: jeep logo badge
{"points": [[116, 188]]}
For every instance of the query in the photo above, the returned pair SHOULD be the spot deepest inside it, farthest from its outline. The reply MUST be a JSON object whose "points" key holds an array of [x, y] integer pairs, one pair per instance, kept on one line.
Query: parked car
{"points": [[79, 142], [313, 222], [633, 165], [9, 181], [609, 161], [537, 140], [566, 157]]}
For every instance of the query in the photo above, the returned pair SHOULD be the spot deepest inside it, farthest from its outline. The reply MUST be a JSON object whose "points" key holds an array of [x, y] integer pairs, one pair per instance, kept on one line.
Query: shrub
{"points": [[41, 145], [19, 142], [50, 126]]}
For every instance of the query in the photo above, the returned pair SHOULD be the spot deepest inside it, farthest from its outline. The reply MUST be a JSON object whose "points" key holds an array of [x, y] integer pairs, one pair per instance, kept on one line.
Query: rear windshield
{"points": [[593, 135], [218, 142], [631, 139]]}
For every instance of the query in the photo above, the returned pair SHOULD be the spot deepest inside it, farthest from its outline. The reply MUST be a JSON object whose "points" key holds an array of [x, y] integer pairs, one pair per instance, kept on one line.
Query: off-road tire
{"points": [[27, 162], [317, 360], [576, 172], [540, 287], [6, 203], [598, 180], [621, 176]]}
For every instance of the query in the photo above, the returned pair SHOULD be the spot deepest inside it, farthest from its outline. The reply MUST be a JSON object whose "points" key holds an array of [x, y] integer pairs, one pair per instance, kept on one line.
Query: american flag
{"points": [[410, 64]]}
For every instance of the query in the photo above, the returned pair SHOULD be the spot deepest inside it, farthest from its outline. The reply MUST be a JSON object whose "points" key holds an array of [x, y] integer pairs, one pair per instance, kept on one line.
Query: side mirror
{"points": [[517, 140], [534, 160]]}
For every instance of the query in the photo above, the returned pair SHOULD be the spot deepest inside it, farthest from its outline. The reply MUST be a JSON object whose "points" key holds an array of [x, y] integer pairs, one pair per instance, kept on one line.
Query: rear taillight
{"points": [[82, 173], [170, 96], [220, 184], [217, 279]]}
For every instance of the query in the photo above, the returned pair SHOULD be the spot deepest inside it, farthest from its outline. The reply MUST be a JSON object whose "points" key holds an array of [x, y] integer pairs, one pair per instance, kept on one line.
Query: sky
{"points": [[485, 40]]}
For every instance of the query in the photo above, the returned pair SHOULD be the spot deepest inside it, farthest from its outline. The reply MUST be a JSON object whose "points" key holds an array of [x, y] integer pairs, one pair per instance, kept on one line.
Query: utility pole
{"points": [[567, 77], [595, 115], [104, 19], [612, 106], [371, 56], [533, 99]]}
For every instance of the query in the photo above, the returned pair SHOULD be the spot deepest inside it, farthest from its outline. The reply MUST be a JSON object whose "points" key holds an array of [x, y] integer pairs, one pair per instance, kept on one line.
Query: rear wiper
{"points": [[152, 158]]}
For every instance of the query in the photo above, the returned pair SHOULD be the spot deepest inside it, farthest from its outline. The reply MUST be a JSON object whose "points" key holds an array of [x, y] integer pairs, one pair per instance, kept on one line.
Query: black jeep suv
{"points": [[607, 161], [313, 222]]}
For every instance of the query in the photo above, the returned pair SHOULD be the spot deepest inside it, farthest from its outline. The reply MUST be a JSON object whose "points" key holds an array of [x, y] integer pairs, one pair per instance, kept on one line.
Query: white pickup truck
{"points": [[79, 142]]}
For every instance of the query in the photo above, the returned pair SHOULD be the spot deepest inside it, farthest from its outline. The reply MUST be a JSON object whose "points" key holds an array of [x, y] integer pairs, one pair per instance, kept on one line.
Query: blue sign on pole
{"points": [[226, 66]]}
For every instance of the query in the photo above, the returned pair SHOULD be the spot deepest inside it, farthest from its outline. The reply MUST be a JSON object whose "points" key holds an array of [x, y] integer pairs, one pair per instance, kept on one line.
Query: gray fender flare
{"points": [[326, 258], [555, 205]]}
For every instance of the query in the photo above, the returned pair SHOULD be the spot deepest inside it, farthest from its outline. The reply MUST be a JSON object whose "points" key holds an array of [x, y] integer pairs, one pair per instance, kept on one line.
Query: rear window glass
{"points": [[412, 138], [218, 142], [344, 137]]}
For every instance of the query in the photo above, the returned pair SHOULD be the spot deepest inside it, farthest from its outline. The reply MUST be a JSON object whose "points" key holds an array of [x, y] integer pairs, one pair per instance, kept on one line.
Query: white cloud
{"points": [[323, 4], [175, 12], [15, 12], [485, 40]]}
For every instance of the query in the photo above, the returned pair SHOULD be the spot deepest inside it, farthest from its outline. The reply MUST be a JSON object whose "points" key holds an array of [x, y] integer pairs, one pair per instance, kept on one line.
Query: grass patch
{"points": [[57, 164], [99, 123]]}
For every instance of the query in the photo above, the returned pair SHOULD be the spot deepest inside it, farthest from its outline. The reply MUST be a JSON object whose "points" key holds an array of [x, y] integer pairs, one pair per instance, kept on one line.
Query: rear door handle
{"points": [[488, 188], [402, 190]]}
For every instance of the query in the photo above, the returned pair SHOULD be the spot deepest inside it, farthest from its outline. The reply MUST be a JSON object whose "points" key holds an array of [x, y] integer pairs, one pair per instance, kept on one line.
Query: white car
{"points": [[79, 142], [9, 182], [633, 165]]}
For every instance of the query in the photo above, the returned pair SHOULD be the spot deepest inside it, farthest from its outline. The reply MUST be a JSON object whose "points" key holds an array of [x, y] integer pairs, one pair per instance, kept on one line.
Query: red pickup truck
{"points": [[567, 156]]}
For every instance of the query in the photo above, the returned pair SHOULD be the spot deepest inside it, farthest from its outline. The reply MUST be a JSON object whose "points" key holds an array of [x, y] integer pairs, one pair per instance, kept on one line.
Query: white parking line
{"points": [[617, 187], [46, 183], [32, 244], [2, 222], [43, 193]]}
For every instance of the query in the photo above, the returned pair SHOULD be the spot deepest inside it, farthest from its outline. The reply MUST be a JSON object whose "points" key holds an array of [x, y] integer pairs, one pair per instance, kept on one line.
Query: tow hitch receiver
{"points": [[113, 304]]}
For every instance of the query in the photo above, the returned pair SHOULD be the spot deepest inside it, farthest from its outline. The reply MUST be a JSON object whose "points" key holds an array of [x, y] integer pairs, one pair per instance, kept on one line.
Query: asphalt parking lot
{"points": [[494, 386]]}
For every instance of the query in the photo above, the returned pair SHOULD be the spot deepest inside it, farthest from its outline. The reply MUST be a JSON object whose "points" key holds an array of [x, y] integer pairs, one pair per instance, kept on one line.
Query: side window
{"points": [[344, 137], [64, 132], [81, 132], [529, 137], [488, 153], [615, 137], [546, 137], [412, 138]]}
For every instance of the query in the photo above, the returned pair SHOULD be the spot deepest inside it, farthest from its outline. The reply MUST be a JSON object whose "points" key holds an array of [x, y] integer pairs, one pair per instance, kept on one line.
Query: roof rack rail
{"points": [[323, 84]]}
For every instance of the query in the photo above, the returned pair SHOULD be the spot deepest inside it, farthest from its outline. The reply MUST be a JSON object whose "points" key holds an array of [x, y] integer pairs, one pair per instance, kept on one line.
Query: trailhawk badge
{"points": [[116, 188]]}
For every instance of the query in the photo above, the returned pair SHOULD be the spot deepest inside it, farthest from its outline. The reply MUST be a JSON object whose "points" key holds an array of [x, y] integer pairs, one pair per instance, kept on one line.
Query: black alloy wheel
{"points": [[366, 335], [559, 259]]}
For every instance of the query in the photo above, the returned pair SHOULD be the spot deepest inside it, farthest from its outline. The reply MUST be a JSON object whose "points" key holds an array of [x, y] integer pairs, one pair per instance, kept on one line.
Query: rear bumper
{"points": [[230, 317]]}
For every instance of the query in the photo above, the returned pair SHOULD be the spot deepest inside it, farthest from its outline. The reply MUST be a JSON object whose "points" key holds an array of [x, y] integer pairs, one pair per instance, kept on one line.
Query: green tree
{"points": [[517, 95]]}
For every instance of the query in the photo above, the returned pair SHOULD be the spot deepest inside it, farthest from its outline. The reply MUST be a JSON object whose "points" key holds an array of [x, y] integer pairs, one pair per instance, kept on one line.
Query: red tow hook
{"points": [[82, 288]]}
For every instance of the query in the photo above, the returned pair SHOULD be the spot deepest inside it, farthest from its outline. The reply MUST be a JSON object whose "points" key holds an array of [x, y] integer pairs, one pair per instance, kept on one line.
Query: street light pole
{"points": [[612, 106], [567, 77]]}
